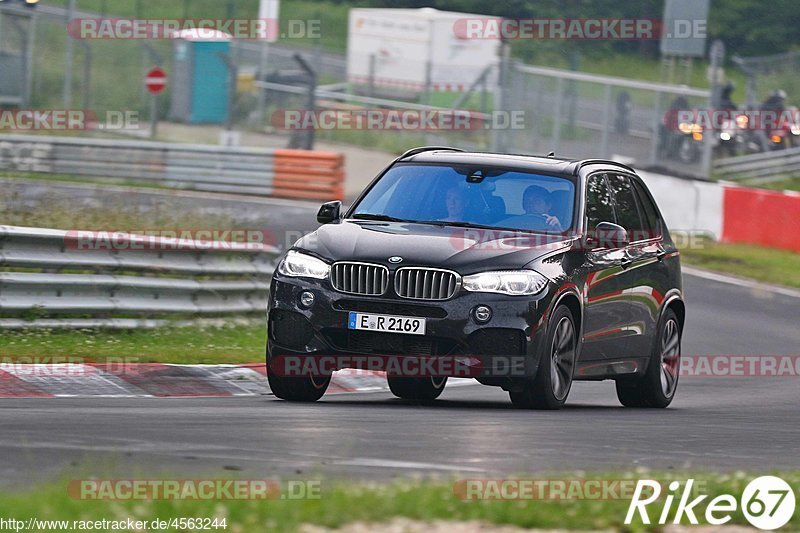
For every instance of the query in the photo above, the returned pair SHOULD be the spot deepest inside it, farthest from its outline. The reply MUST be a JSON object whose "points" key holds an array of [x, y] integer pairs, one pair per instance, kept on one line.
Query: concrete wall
{"points": [[688, 205]]}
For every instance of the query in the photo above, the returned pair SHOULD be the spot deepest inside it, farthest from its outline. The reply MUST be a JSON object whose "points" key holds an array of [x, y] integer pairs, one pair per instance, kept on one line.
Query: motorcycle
{"points": [[787, 134]]}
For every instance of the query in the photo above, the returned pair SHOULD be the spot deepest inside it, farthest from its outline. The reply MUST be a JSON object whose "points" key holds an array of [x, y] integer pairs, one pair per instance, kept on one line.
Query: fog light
{"points": [[306, 299], [482, 313]]}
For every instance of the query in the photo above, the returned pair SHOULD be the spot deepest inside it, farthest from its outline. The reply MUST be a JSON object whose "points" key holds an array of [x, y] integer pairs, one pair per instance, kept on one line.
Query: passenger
{"points": [[456, 204]]}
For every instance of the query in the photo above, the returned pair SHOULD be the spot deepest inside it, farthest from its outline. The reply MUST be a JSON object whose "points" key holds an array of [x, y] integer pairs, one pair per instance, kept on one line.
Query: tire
{"points": [[553, 381], [418, 389], [656, 388], [296, 389]]}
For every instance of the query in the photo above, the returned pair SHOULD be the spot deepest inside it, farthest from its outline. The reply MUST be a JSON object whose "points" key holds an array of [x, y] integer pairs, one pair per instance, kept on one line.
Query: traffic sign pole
{"points": [[153, 115], [155, 80]]}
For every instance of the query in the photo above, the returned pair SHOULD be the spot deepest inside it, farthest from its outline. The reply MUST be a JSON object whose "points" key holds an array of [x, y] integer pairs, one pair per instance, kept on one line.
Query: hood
{"points": [[465, 250]]}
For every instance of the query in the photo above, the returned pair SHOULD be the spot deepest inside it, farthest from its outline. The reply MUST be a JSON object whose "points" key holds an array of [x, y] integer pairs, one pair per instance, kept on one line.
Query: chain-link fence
{"points": [[582, 115], [571, 113], [15, 53], [108, 74]]}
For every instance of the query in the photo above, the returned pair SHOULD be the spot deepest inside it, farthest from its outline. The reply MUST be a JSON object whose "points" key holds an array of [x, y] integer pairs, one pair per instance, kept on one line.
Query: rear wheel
{"points": [[420, 389], [296, 389], [656, 388], [550, 388]]}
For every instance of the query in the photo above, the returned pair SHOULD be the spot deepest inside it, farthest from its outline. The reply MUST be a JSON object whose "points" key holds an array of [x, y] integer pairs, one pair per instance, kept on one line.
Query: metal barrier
{"points": [[287, 173], [58, 275], [759, 168]]}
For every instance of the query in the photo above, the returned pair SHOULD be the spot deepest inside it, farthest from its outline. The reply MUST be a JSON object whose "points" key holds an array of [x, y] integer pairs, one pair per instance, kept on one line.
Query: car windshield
{"points": [[485, 197]]}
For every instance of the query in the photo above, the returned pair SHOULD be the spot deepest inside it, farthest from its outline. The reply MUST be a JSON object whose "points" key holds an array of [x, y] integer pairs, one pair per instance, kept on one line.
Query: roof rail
{"points": [[586, 162], [420, 149]]}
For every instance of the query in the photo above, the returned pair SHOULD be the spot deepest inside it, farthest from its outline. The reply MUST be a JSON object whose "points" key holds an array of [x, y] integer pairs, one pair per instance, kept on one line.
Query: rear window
{"points": [[626, 206], [649, 211]]}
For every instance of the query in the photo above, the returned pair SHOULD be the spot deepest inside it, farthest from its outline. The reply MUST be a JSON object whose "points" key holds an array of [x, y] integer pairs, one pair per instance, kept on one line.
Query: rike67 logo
{"points": [[767, 502]]}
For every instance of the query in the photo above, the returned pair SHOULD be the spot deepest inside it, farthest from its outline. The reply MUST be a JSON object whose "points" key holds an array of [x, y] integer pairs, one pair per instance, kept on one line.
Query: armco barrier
{"points": [[287, 173], [50, 273], [757, 216], [759, 168]]}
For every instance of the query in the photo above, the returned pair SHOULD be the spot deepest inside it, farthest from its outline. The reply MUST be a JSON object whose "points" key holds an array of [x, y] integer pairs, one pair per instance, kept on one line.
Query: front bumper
{"points": [[507, 346]]}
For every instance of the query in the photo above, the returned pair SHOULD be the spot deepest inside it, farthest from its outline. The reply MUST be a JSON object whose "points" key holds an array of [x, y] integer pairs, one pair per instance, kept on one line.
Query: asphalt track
{"points": [[715, 423]]}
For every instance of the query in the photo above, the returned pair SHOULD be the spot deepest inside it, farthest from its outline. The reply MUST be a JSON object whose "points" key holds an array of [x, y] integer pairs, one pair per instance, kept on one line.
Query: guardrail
{"points": [[760, 168], [272, 172], [58, 276]]}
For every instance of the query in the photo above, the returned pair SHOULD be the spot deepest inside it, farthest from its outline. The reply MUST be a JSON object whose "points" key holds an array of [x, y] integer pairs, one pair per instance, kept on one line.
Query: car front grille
{"points": [[390, 308], [360, 278], [426, 283]]}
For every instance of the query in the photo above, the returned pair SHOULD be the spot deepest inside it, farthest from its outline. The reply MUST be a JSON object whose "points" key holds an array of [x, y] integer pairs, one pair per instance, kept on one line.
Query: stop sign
{"points": [[155, 80]]}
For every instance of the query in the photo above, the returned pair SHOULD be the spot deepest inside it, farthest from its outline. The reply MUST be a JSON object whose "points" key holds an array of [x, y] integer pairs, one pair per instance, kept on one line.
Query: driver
{"points": [[536, 202], [537, 205]]}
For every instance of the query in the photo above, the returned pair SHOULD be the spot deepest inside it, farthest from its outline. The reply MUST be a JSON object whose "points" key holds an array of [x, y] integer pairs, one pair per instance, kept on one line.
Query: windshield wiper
{"points": [[456, 224], [373, 216]]}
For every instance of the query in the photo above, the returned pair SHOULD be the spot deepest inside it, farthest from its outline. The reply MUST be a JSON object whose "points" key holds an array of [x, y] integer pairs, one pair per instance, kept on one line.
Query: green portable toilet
{"points": [[200, 78]]}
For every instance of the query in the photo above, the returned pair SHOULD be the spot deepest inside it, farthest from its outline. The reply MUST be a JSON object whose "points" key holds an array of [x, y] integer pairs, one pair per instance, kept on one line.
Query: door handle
{"points": [[661, 255]]}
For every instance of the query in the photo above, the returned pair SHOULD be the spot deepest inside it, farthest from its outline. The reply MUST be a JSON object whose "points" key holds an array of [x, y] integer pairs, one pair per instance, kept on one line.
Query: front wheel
{"points": [[656, 388], [419, 389], [296, 389], [550, 388]]}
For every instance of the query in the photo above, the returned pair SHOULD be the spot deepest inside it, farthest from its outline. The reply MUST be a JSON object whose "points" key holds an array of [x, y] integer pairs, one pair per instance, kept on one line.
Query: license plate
{"points": [[386, 323]]}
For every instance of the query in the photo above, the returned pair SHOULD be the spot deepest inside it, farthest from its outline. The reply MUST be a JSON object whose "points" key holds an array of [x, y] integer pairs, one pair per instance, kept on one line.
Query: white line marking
{"points": [[740, 282], [388, 463]]}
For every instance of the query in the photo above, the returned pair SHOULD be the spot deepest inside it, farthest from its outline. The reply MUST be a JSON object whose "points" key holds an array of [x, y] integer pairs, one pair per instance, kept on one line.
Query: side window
{"points": [[649, 211], [599, 204], [626, 207]]}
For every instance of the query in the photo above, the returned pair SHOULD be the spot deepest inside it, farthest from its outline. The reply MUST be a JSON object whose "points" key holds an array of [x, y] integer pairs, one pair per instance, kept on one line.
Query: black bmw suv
{"points": [[522, 272]]}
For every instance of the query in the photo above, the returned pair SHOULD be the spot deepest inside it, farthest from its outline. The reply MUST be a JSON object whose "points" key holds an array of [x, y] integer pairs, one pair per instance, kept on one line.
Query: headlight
{"points": [[511, 282], [299, 265], [742, 121]]}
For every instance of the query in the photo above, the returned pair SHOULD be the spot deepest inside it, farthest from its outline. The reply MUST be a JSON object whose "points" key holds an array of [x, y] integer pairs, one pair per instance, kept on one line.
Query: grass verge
{"points": [[237, 342], [53, 210], [768, 265], [341, 504], [788, 184]]}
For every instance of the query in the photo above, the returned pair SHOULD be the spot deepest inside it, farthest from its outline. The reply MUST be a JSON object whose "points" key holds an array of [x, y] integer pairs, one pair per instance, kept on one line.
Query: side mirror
{"points": [[329, 212], [610, 235]]}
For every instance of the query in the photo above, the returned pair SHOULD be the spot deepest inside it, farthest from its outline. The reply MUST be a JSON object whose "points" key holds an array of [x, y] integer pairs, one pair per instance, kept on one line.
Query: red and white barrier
{"points": [[728, 212], [763, 217]]}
